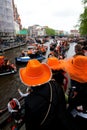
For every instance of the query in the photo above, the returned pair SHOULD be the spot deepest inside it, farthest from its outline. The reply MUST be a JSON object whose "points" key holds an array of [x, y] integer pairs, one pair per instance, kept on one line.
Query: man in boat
{"points": [[77, 97], [14, 107]]}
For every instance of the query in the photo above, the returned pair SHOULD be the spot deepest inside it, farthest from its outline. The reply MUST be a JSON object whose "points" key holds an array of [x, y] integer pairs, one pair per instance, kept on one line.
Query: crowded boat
{"points": [[6, 67]]}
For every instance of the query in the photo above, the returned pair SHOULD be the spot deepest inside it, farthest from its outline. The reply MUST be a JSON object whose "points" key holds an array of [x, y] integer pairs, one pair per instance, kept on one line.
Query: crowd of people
{"points": [[56, 95]]}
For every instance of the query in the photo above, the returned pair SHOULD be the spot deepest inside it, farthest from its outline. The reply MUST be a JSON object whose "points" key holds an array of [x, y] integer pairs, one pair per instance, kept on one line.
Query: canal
{"points": [[9, 84]]}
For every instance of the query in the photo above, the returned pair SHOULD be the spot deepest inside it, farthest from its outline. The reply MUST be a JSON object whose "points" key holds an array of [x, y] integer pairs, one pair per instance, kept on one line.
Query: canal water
{"points": [[9, 84]]}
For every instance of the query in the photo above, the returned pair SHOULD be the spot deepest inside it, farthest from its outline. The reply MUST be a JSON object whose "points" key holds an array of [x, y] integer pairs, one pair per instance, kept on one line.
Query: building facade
{"points": [[36, 30], [10, 22], [6, 21], [17, 19]]}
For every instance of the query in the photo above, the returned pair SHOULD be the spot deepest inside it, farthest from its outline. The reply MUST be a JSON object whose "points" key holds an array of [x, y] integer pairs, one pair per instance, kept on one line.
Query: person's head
{"points": [[56, 67], [78, 49], [35, 73], [10, 99]]}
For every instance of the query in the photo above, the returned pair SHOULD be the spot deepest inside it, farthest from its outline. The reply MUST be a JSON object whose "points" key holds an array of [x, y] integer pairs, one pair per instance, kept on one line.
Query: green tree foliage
{"points": [[50, 31], [84, 1], [83, 20]]}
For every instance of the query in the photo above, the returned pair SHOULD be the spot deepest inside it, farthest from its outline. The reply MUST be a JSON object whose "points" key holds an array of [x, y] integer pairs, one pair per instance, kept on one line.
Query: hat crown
{"points": [[77, 68], [35, 73], [80, 61], [52, 61], [34, 68]]}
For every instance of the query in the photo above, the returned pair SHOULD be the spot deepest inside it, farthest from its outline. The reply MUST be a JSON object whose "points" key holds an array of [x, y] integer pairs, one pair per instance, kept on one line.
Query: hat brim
{"points": [[36, 81], [75, 73]]}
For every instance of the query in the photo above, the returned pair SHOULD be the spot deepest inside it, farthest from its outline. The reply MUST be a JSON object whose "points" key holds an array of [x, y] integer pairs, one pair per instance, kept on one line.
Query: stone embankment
{"points": [[13, 45]]}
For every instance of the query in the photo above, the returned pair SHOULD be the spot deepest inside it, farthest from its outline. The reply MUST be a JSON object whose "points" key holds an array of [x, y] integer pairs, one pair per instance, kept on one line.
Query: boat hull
{"points": [[26, 59], [7, 73]]}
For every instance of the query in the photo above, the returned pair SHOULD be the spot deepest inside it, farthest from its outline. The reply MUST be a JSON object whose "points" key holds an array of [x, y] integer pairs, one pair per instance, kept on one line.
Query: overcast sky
{"points": [[56, 14]]}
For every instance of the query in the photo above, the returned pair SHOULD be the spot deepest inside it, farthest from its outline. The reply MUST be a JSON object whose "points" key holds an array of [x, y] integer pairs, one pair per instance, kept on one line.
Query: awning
{"points": [[22, 32]]}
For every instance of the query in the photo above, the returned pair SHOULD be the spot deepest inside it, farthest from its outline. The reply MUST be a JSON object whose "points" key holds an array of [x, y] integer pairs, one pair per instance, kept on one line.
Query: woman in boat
{"points": [[45, 106]]}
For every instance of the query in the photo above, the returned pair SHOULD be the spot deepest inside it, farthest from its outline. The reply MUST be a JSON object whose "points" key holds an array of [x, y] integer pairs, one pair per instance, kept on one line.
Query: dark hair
{"points": [[85, 47], [58, 76], [10, 98]]}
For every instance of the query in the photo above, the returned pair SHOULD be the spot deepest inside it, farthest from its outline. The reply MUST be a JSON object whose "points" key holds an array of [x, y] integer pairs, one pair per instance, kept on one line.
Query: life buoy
{"points": [[14, 128], [13, 104]]}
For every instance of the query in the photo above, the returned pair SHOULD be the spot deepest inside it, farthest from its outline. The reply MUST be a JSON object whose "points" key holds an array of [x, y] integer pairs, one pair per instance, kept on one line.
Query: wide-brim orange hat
{"points": [[54, 63], [77, 68], [35, 73]]}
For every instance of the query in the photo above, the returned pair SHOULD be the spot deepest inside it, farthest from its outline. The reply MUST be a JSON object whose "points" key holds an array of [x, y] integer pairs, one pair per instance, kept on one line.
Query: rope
{"points": [[49, 105]]}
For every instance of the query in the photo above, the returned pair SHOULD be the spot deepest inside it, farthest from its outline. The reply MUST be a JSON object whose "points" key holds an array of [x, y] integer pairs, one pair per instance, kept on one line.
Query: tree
{"points": [[84, 1], [50, 31], [83, 20]]}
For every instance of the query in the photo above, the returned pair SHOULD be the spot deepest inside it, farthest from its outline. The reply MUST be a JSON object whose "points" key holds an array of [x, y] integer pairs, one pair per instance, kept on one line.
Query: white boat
{"points": [[25, 59]]}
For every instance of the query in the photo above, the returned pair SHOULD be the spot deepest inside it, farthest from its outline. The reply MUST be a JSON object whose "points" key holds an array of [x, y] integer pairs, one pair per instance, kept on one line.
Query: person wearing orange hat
{"points": [[58, 73], [77, 98], [45, 106]]}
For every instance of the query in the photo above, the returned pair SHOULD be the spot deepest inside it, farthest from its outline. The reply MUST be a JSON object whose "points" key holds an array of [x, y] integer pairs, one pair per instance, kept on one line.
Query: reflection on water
{"points": [[71, 51], [10, 83]]}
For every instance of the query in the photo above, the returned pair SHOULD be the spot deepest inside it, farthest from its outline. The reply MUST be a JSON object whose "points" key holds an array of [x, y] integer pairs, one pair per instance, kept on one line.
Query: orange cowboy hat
{"points": [[77, 68], [54, 63], [35, 73]]}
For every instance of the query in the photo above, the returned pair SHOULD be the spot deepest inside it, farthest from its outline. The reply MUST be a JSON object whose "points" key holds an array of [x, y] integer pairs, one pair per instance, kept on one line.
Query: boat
{"points": [[8, 72], [25, 59], [6, 68], [6, 120], [37, 48]]}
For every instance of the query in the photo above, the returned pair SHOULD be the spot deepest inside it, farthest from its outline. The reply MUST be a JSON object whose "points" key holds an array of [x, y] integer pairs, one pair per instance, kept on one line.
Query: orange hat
{"points": [[35, 73], [54, 63], [77, 68]]}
